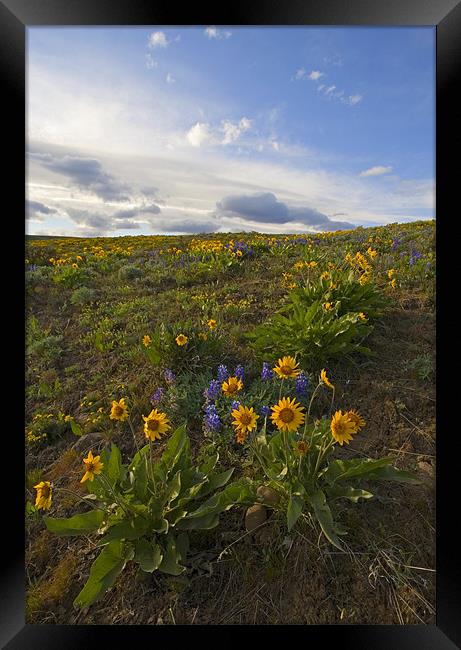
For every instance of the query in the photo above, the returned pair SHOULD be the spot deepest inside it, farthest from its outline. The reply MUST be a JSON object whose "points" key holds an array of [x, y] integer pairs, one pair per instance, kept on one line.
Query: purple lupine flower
{"points": [[265, 411], [239, 372], [213, 389], [212, 419], [223, 373], [157, 395], [301, 385], [235, 405], [267, 372], [169, 375]]}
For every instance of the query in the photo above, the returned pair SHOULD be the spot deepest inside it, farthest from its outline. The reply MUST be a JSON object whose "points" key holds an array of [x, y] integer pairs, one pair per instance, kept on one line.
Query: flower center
{"points": [[286, 415], [118, 411], [245, 418], [45, 491], [90, 467], [286, 370], [153, 425]]}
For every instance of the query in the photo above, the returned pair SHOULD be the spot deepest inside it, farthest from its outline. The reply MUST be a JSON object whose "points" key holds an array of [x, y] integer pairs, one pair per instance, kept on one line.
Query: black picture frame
{"points": [[445, 16]]}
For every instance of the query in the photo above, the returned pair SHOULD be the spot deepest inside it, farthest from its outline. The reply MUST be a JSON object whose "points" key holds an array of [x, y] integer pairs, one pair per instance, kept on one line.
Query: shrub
{"points": [[129, 272], [83, 296]]}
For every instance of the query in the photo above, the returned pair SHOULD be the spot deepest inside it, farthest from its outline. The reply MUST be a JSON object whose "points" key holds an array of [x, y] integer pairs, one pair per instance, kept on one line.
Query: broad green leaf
{"points": [[104, 570], [206, 522], [341, 470], [215, 481], [76, 428], [173, 489], [390, 473], [140, 479], [209, 465], [239, 492], [323, 513], [129, 529], [87, 522], [347, 492], [148, 555], [139, 456], [295, 508], [170, 561], [114, 465], [174, 448]]}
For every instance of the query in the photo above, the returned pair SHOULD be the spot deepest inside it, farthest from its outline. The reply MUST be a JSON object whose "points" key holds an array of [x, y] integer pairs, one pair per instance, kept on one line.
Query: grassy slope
{"points": [[388, 574]]}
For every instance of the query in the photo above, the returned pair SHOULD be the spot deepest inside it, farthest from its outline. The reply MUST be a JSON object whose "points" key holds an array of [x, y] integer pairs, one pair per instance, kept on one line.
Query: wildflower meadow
{"points": [[231, 429]]}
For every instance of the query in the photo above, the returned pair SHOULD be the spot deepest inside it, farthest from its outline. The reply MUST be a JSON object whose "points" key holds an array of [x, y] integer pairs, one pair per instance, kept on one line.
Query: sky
{"points": [[182, 130]]}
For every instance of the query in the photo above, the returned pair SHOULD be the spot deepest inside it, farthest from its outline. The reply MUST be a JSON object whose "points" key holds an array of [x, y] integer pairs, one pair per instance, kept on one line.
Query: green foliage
{"points": [[313, 334], [129, 272], [141, 511], [310, 483], [83, 296]]}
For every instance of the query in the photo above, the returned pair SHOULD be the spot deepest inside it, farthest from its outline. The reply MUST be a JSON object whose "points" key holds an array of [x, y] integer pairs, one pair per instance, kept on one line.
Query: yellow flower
{"points": [[312, 264], [79, 258], [244, 418], [146, 340], [292, 285], [44, 493], [390, 273], [119, 410], [93, 466], [355, 417], [298, 266], [372, 253], [325, 276], [203, 336], [324, 379], [212, 323], [155, 425], [393, 283], [362, 316], [232, 386], [181, 339], [287, 367], [328, 306], [342, 427], [287, 414], [75, 266]]}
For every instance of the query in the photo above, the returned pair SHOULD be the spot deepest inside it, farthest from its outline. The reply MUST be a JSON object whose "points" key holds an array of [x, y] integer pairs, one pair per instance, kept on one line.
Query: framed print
{"points": [[230, 322]]}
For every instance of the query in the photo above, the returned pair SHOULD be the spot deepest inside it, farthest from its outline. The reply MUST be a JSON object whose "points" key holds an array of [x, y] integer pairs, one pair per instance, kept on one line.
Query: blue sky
{"points": [[155, 130]]}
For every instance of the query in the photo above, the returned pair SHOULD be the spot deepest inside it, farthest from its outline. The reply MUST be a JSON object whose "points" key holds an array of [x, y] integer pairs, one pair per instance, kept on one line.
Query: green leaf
{"points": [[206, 522], [148, 555], [140, 479], [295, 508], [139, 456], [76, 428], [153, 355], [325, 518], [87, 522], [182, 546], [348, 492], [170, 559], [209, 465], [114, 465], [173, 489], [239, 492], [104, 570], [130, 529], [174, 448], [340, 470], [214, 482]]}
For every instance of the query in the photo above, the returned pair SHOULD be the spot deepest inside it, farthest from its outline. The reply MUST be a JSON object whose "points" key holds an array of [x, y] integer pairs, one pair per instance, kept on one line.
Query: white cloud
{"points": [[300, 73], [315, 75], [199, 134], [170, 79], [329, 90], [354, 99], [150, 63], [213, 32], [376, 171], [233, 131], [158, 39]]}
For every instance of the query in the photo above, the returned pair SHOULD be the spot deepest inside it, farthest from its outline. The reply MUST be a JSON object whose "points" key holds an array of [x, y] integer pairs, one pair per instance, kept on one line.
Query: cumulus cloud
{"points": [[136, 211], [87, 174], [213, 32], [315, 74], [233, 131], [300, 73], [199, 134], [159, 40], [266, 208], [378, 170], [353, 99]]}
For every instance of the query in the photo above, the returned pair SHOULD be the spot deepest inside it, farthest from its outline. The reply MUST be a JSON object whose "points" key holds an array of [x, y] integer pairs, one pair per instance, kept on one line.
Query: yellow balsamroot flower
{"points": [[244, 418], [393, 283], [325, 276], [287, 414], [44, 494], [328, 306], [203, 336], [391, 273], [212, 323], [93, 466], [292, 285], [231, 386], [287, 367], [355, 417], [364, 278], [324, 379], [181, 339], [372, 253], [75, 266], [312, 265], [342, 427], [119, 410], [146, 340], [155, 425], [362, 316], [298, 266], [79, 258]]}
